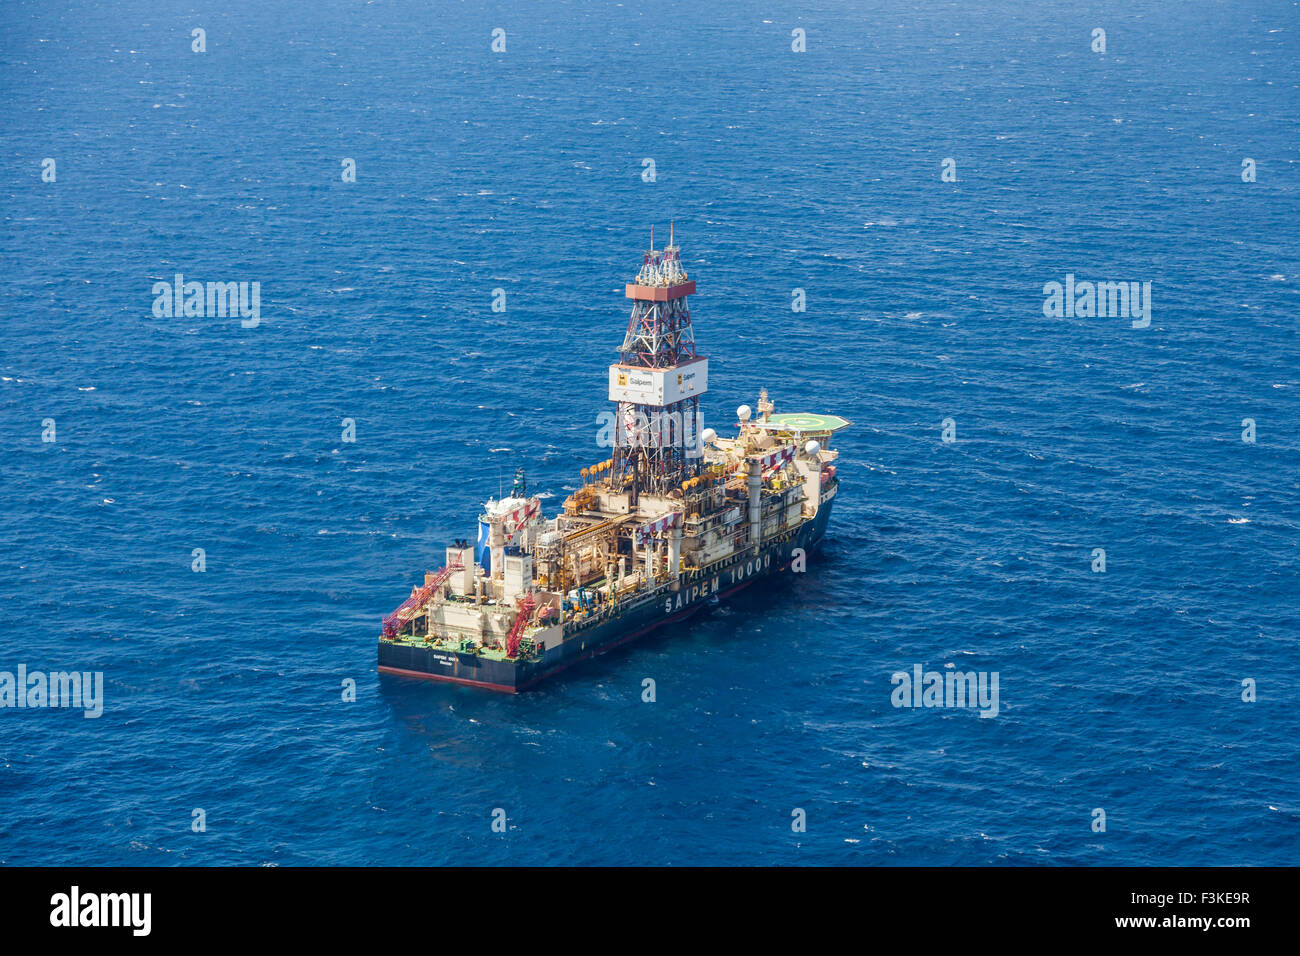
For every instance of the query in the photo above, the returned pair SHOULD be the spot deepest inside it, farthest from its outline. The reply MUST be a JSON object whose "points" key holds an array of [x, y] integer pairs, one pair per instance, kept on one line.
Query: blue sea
{"points": [[525, 170]]}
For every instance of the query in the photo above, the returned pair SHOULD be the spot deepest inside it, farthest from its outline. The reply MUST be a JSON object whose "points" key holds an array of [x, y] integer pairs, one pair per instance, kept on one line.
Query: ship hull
{"points": [[634, 619]]}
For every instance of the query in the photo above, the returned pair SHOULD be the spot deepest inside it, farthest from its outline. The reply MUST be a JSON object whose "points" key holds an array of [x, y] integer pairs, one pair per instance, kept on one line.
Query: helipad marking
{"points": [[807, 421]]}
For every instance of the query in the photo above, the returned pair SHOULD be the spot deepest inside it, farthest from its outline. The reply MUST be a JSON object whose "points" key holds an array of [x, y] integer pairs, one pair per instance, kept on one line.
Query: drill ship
{"points": [[676, 520]]}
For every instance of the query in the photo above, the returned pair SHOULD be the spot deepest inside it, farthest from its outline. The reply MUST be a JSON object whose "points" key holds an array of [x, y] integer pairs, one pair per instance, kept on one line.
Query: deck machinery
{"points": [[675, 519]]}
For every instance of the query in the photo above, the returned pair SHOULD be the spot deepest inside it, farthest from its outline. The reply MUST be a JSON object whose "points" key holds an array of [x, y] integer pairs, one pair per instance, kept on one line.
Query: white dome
{"points": [[812, 448], [708, 436], [743, 413]]}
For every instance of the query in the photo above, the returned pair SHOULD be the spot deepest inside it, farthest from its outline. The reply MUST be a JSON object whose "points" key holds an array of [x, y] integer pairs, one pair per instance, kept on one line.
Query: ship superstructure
{"points": [[675, 518]]}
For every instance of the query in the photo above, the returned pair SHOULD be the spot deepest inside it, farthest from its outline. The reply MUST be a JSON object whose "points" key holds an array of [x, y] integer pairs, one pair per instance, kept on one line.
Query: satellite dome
{"points": [[708, 436], [743, 413], [812, 448]]}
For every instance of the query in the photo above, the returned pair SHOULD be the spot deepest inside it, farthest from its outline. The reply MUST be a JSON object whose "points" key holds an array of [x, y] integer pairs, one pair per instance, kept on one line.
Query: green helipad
{"points": [[808, 422]]}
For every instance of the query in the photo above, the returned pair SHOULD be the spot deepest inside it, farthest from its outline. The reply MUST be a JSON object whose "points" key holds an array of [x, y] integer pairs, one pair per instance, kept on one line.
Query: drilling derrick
{"points": [[658, 379]]}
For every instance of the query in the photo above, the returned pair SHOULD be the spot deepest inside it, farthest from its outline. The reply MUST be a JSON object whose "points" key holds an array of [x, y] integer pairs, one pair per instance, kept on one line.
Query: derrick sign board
{"points": [[658, 386]]}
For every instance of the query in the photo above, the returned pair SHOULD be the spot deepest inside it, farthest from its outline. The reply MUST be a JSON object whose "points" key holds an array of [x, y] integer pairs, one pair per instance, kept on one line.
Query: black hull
{"points": [[627, 622]]}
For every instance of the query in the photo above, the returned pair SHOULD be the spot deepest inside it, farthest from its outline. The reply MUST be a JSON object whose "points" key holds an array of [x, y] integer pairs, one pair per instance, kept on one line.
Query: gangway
{"points": [[419, 598]]}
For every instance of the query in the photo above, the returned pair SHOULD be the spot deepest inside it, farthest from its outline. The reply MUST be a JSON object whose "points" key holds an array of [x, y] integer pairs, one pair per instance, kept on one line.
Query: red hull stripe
{"points": [[423, 675]]}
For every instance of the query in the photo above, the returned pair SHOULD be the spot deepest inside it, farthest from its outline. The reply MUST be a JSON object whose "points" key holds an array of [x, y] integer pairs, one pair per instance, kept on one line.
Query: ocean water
{"points": [[524, 171]]}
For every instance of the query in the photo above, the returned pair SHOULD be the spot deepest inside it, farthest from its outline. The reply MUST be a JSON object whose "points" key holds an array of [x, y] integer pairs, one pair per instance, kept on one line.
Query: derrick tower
{"points": [[658, 379]]}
